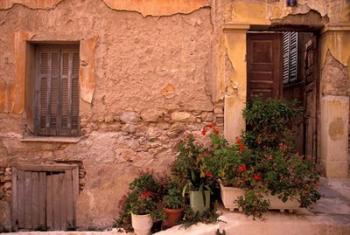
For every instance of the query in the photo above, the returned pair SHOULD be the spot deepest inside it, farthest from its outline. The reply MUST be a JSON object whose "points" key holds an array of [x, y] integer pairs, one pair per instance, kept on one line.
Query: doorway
{"points": [[44, 197], [283, 65]]}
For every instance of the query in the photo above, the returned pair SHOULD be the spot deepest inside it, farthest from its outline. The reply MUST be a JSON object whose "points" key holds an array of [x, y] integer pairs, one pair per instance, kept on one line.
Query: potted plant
{"points": [[142, 210], [173, 203], [189, 169], [262, 170], [141, 206]]}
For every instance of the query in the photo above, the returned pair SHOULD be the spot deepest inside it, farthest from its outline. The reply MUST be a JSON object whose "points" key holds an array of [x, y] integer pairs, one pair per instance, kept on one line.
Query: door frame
{"points": [[316, 35]]}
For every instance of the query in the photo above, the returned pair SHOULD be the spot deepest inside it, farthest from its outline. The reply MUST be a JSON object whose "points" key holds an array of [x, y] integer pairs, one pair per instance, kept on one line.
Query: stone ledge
{"points": [[69, 140]]}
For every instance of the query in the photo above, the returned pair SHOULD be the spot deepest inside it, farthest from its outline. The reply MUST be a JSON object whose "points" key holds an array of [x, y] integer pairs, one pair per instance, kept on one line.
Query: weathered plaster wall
{"points": [[34, 4], [144, 82]]}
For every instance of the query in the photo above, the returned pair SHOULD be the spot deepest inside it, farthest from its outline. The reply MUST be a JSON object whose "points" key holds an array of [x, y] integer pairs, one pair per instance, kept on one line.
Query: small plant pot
{"points": [[141, 224], [173, 216], [199, 201]]}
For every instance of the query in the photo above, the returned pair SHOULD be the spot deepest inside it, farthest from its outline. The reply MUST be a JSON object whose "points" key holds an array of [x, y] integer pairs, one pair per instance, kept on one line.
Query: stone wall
{"points": [[151, 84]]}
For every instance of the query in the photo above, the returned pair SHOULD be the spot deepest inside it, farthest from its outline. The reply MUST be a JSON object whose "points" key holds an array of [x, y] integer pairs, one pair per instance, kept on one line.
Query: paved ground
{"points": [[330, 216]]}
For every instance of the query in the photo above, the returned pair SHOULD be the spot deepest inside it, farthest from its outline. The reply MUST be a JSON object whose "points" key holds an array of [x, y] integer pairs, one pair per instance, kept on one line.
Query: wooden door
{"points": [[264, 65], [310, 94], [44, 199]]}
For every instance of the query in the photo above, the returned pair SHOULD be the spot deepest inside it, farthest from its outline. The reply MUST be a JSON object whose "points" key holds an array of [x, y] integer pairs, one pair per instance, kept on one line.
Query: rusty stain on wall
{"points": [[33, 4], [336, 128], [157, 7]]}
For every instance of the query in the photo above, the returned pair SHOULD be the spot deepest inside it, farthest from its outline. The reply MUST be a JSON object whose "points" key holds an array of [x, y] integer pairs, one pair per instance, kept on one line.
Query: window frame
{"points": [[33, 94]]}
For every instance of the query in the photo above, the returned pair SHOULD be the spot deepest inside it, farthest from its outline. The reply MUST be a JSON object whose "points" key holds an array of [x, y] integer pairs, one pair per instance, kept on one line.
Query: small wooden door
{"points": [[264, 65], [310, 94], [44, 199]]}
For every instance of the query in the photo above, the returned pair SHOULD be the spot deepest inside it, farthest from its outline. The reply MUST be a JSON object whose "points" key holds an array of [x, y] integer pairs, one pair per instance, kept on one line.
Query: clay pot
{"points": [[173, 216], [142, 224]]}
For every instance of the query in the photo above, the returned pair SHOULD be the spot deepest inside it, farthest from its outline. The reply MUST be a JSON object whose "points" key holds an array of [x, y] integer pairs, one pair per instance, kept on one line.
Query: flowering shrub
{"points": [[188, 166], [264, 161], [144, 198]]}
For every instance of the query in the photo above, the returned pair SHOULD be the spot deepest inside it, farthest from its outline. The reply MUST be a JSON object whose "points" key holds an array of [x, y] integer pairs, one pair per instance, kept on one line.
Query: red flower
{"points": [[269, 157], [283, 147], [240, 144], [216, 130], [145, 195], [204, 131], [242, 168], [211, 125], [238, 140], [208, 174], [257, 177]]}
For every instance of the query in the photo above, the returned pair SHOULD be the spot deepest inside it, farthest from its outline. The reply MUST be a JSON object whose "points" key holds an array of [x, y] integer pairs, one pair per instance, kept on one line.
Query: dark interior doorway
{"points": [[284, 65]]}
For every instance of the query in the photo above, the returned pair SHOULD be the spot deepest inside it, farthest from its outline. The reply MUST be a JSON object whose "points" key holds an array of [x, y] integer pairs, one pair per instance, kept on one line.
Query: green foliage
{"points": [[188, 166], [144, 198], [173, 198], [191, 217], [145, 182], [268, 123], [253, 203]]}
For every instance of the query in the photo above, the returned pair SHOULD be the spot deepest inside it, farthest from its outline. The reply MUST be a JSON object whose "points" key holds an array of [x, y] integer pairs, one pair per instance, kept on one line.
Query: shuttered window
{"points": [[57, 90], [290, 57]]}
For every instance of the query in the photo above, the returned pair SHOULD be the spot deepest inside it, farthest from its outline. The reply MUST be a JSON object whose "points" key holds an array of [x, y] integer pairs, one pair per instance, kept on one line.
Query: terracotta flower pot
{"points": [[198, 202], [173, 216], [142, 224]]}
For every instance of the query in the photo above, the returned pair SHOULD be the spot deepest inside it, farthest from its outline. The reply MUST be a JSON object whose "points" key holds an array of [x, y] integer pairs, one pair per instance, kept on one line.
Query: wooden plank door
{"points": [[44, 200], [310, 105], [29, 200], [264, 65], [60, 199]]}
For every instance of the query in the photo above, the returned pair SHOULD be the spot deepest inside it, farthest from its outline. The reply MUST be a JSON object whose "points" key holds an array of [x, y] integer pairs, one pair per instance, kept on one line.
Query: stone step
{"points": [[272, 224]]}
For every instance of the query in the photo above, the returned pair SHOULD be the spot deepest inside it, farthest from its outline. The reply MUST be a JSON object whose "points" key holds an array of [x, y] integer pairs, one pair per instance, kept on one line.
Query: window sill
{"points": [[71, 140]]}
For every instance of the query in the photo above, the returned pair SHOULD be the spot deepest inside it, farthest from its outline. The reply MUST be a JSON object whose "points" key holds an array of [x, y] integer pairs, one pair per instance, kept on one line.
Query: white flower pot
{"points": [[230, 195], [142, 224]]}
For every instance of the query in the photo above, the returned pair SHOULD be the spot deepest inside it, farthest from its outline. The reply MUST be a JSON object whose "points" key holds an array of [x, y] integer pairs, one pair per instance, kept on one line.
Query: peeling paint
{"points": [[158, 7], [87, 69], [33, 4], [258, 12], [334, 78], [18, 91]]}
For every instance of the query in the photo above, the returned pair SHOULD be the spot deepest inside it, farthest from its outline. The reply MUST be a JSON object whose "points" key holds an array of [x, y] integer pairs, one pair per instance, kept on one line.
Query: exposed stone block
{"points": [[152, 115], [181, 117], [129, 117]]}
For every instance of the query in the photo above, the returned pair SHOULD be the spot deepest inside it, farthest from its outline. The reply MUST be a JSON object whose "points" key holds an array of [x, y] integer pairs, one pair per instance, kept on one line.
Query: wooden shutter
{"points": [[290, 56], [70, 92], [57, 91], [263, 62], [44, 198]]}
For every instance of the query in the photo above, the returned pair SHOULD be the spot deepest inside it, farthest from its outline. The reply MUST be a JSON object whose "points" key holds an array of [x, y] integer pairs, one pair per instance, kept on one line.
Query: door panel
{"points": [[264, 65], [310, 117], [44, 200]]}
